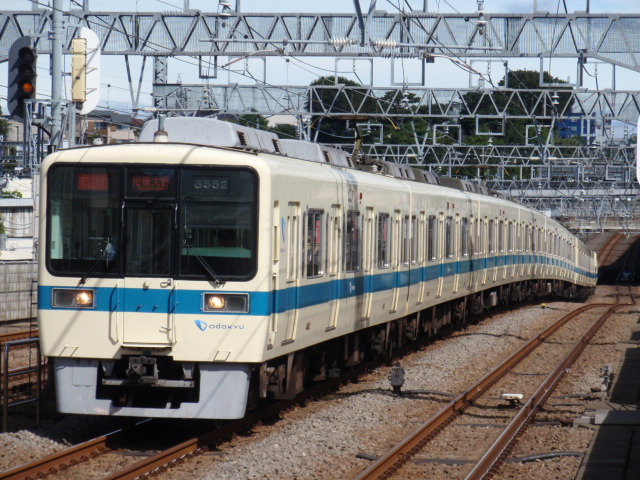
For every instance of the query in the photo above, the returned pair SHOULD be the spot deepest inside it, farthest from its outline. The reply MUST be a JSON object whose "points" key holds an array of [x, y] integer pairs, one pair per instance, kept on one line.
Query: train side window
{"points": [[492, 245], [481, 239], [404, 240], [464, 237], [383, 241], [397, 239], [432, 238], [315, 244], [534, 242], [501, 236], [421, 234], [448, 237], [335, 230], [541, 246], [293, 236], [368, 239], [510, 237], [413, 236], [352, 242]]}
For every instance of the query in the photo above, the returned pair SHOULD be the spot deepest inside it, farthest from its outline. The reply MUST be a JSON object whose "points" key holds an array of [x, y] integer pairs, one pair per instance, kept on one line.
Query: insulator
{"points": [[385, 43], [342, 41]]}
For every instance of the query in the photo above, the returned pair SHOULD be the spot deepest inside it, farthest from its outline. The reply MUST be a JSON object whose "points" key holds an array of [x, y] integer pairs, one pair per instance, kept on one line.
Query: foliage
{"points": [[11, 194], [337, 101], [516, 131], [286, 131], [253, 121]]}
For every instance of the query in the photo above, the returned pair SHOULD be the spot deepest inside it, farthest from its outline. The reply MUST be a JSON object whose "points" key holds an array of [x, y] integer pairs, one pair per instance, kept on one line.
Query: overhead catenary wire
{"points": [[454, 58]]}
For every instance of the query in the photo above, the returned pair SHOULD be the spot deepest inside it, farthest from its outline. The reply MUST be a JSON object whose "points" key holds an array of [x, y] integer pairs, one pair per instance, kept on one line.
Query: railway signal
{"points": [[23, 60]]}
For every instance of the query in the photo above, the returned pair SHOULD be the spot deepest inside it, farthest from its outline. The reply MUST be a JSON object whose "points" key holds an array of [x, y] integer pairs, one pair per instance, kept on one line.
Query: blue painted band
{"points": [[185, 301]]}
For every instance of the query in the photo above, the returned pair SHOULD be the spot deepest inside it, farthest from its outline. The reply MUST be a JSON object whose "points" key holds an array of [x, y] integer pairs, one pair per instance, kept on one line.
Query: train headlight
{"points": [[72, 298], [226, 302], [215, 302]]}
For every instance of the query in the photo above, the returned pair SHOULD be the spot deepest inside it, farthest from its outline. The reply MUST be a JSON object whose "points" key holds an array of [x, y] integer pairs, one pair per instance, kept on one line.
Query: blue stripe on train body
{"points": [[185, 301]]}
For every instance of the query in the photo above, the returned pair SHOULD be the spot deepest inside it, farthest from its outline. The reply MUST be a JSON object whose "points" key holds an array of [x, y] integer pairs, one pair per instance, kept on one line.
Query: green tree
{"points": [[515, 130], [253, 121], [286, 131], [331, 108]]}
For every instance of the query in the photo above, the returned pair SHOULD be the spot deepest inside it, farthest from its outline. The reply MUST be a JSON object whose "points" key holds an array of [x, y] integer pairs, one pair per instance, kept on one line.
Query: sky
{"points": [[302, 70]]}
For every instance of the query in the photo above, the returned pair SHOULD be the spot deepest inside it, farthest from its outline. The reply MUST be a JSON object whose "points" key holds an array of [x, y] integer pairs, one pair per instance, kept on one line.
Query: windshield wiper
{"points": [[106, 252], [206, 267], [91, 271]]}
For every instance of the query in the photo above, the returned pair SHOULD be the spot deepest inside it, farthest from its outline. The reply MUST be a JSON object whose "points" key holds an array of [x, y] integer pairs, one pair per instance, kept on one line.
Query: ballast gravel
{"points": [[335, 437]]}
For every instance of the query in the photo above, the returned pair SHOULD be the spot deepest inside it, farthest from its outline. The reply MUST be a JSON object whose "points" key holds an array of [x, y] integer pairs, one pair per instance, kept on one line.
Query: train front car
{"points": [[148, 286]]}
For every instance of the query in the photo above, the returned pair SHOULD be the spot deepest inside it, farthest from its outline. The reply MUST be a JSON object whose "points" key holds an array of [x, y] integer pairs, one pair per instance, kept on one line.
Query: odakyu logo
{"points": [[202, 325]]}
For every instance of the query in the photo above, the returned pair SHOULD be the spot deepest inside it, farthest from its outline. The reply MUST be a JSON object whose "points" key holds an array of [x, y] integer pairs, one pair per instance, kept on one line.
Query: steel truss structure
{"points": [[401, 102], [607, 37], [590, 186]]}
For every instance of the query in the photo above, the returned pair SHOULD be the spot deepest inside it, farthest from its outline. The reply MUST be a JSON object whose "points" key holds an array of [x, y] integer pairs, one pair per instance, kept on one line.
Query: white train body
{"points": [[184, 280]]}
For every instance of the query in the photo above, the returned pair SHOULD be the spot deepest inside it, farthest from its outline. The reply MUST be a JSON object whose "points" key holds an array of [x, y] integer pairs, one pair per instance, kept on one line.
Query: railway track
{"points": [[182, 451], [389, 465], [114, 442], [607, 249]]}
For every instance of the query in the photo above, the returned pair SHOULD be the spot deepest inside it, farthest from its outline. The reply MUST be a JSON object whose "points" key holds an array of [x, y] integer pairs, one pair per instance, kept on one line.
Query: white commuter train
{"points": [[190, 279]]}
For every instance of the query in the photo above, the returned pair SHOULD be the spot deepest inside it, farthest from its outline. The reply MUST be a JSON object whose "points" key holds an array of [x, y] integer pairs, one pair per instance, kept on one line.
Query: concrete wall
{"points": [[17, 290]]}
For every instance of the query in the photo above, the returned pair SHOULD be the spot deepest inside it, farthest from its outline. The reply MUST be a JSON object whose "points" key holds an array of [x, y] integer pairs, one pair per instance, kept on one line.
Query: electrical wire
{"points": [[454, 58]]}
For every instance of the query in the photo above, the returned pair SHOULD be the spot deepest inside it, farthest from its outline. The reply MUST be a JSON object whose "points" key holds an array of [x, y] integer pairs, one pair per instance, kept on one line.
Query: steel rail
{"points": [[501, 448], [195, 445], [389, 463], [605, 251], [63, 459]]}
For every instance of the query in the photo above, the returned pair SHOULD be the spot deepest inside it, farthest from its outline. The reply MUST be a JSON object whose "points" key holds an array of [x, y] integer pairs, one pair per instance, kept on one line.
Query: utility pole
{"points": [[56, 76]]}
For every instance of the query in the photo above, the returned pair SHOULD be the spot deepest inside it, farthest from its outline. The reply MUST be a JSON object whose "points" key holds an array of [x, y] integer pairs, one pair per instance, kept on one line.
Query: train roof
{"points": [[218, 133]]}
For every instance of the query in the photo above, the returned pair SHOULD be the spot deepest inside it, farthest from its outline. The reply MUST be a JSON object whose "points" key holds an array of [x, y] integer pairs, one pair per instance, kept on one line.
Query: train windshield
{"points": [[196, 223]]}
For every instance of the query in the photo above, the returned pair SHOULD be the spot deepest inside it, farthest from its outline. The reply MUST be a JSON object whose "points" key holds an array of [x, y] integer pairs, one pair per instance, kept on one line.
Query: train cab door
{"points": [[149, 292]]}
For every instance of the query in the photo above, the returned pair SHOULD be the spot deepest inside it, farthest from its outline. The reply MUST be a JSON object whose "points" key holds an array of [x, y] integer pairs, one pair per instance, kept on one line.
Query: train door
{"points": [[422, 256], [473, 246], [335, 242], [440, 254], [456, 252], [502, 240], [291, 293], [149, 292], [396, 259], [414, 271], [464, 250], [482, 238], [493, 234], [367, 263], [278, 241], [511, 248], [534, 249], [522, 248]]}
